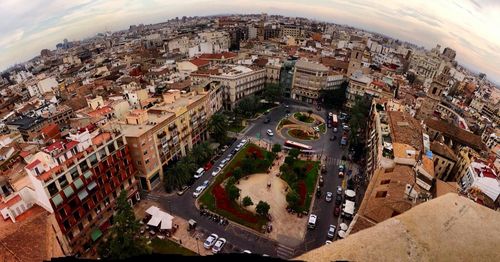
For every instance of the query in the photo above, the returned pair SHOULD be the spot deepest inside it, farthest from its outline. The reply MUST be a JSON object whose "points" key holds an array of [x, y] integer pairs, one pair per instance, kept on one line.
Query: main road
{"points": [[240, 238]]}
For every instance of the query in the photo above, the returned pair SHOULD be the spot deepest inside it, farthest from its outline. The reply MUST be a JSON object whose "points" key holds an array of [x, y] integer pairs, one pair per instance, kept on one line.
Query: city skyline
{"points": [[468, 27]]}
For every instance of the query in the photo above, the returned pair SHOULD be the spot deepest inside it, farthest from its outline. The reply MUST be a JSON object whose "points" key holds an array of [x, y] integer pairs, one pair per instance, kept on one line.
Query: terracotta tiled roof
{"points": [[455, 133], [218, 56], [200, 62], [443, 150], [405, 129]]}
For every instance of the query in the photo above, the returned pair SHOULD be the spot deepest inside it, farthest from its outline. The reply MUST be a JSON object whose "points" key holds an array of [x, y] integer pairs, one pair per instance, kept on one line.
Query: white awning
{"points": [[343, 226], [152, 210], [166, 223], [154, 221], [350, 193]]}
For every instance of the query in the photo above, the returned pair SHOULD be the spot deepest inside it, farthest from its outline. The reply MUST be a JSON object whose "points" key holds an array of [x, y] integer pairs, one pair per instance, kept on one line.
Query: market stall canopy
{"points": [[343, 226], [341, 233], [350, 193], [154, 221], [152, 210]]}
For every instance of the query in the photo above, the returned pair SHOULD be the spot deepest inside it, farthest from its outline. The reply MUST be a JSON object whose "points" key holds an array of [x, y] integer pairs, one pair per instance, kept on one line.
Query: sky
{"points": [[471, 27]]}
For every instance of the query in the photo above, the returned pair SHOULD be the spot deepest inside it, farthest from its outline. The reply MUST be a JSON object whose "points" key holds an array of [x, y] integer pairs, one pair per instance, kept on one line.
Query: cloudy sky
{"points": [[471, 27]]}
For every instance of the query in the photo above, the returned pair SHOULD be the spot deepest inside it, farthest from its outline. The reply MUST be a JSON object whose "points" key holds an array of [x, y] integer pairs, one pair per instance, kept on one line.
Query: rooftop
{"points": [[443, 150], [405, 129], [446, 228], [460, 135], [311, 65]]}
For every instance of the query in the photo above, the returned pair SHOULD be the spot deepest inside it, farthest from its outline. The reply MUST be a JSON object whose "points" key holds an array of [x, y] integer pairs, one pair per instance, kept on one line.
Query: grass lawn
{"points": [[235, 128], [303, 117], [216, 199], [303, 186], [284, 122], [169, 247]]}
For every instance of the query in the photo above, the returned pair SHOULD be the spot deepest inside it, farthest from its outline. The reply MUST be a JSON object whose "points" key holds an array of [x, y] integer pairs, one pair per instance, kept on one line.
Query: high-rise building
{"points": [[449, 53], [309, 79]]}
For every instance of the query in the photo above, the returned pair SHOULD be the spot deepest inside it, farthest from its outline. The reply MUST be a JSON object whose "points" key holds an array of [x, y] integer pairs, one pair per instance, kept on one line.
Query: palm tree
{"points": [[218, 127]]}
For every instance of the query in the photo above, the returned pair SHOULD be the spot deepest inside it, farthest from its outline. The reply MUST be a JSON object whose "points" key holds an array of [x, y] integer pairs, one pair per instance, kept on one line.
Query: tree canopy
{"points": [[334, 98], [218, 126], [125, 240], [262, 208]]}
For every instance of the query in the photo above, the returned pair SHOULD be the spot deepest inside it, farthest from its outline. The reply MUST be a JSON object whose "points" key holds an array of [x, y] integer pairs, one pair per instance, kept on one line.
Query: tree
{"points": [[233, 192], [289, 160], [276, 148], [334, 98], [237, 173], [248, 106], [218, 126], [272, 92], [247, 166], [247, 201], [359, 116], [125, 240], [262, 208], [309, 112], [292, 198], [294, 152]]}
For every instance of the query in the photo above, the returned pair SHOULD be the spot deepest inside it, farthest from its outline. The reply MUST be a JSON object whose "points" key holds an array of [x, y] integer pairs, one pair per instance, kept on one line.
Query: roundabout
{"points": [[302, 126]]}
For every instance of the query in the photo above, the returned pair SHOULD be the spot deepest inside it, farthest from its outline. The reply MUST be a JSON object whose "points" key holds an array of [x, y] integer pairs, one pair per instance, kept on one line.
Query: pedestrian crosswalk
{"points": [[331, 161], [285, 252]]}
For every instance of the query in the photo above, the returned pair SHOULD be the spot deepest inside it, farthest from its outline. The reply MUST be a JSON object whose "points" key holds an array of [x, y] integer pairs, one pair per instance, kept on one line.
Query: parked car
{"points": [[230, 156], [341, 167], [341, 174], [267, 120], [345, 127], [340, 190], [183, 190], [197, 192], [270, 132], [210, 241], [335, 130], [328, 242], [244, 141], [328, 197], [219, 244], [338, 199], [199, 173], [205, 183], [311, 224], [336, 211], [331, 232], [223, 162], [216, 171]]}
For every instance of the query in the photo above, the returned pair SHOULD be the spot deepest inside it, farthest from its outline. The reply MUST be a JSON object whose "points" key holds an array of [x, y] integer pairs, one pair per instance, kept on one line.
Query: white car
{"points": [[244, 142], [330, 114], [328, 242], [218, 245], [270, 133], [210, 241], [198, 190], [311, 224], [246, 251], [328, 197], [223, 162], [216, 171], [335, 130], [205, 183]]}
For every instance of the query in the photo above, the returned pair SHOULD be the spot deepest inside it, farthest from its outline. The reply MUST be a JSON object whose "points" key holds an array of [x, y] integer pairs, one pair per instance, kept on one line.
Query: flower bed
{"points": [[303, 183], [303, 117], [216, 198], [300, 134]]}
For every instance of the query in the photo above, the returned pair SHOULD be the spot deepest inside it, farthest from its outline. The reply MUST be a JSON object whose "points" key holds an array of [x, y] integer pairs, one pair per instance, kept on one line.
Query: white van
{"points": [[311, 224], [199, 172]]}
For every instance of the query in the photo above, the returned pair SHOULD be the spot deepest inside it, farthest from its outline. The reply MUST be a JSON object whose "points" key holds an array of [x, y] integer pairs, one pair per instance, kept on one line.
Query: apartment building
{"points": [[168, 130], [290, 30], [444, 160], [309, 78], [358, 83], [78, 179], [236, 81]]}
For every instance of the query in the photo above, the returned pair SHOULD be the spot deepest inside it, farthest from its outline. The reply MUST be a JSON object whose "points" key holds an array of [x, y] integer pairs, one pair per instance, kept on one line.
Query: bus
{"points": [[290, 143], [335, 121]]}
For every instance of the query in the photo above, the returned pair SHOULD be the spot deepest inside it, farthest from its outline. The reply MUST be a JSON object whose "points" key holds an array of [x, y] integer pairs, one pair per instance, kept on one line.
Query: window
{"points": [[52, 188], [385, 181], [78, 183], [63, 181], [68, 191], [62, 213], [381, 194], [74, 172], [77, 215]]}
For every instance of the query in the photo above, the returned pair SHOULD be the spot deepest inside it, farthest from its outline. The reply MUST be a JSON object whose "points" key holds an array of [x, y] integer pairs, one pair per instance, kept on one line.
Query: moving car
{"points": [[311, 224], [216, 171], [210, 241], [199, 173], [328, 197], [335, 130], [198, 190], [270, 133], [331, 232], [219, 244]]}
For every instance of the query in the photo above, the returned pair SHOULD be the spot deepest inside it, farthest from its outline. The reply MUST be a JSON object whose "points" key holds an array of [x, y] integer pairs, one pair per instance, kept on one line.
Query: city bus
{"points": [[335, 121], [290, 143]]}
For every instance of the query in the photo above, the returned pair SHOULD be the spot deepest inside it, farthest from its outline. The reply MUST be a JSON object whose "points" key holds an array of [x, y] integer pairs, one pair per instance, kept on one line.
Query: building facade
{"points": [[309, 79]]}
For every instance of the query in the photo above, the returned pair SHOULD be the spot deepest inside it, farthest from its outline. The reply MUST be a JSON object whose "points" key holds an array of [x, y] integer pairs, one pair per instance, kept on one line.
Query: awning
{"points": [[152, 210], [154, 221], [166, 223], [350, 193], [96, 234]]}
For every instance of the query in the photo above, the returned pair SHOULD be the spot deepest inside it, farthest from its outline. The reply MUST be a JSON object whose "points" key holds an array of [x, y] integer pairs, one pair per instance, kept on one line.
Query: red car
{"points": [[207, 166], [336, 211]]}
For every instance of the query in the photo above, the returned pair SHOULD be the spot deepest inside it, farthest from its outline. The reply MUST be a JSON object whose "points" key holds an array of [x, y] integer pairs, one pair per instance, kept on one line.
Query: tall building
{"points": [[79, 179], [434, 93], [449, 53], [354, 61], [309, 78]]}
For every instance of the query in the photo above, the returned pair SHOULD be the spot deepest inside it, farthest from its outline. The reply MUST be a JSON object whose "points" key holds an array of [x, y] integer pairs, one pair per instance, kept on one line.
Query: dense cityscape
{"points": [[260, 135]]}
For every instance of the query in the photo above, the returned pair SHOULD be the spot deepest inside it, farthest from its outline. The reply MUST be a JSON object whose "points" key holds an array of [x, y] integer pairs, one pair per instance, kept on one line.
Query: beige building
{"points": [[444, 160], [358, 84], [168, 130], [290, 30], [430, 103], [465, 157], [309, 78]]}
